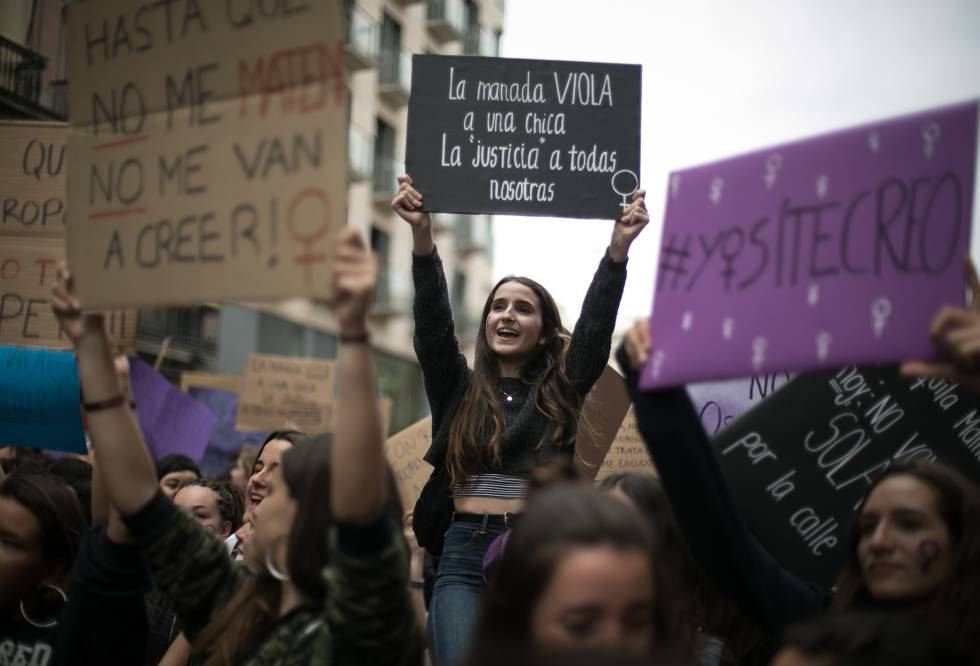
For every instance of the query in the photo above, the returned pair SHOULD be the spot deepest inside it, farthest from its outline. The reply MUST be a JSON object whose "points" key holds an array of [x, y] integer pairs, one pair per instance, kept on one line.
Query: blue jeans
{"points": [[454, 609]]}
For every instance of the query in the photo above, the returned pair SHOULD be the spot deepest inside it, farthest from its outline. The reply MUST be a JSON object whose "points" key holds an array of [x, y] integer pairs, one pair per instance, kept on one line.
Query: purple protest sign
{"points": [[171, 420], [225, 440], [820, 253]]}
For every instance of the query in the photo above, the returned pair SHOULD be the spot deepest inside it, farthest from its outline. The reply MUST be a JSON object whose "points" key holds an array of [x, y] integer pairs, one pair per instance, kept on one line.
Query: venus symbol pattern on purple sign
{"points": [[828, 251]]}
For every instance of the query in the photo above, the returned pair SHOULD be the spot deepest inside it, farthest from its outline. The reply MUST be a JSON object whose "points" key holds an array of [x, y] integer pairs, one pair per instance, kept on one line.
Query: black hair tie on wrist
{"points": [[110, 403]]}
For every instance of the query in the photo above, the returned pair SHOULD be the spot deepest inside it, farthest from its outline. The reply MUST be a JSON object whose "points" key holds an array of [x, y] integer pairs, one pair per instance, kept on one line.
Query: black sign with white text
{"points": [[529, 137], [799, 463]]}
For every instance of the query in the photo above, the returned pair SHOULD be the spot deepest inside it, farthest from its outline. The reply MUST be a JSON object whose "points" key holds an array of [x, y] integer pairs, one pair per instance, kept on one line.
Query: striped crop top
{"points": [[498, 486]]}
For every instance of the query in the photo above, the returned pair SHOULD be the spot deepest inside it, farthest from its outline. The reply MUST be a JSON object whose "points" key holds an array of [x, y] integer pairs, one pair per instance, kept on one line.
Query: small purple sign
{"points": [[171, 420], [225, 440], [820, 253]]}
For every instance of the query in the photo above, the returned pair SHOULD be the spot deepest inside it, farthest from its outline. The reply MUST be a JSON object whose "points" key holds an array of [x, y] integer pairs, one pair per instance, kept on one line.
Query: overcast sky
{"points": [[721, 78]]}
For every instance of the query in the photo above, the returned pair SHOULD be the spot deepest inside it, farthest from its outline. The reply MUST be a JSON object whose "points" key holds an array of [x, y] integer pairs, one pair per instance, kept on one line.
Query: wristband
{"points": [[110, 403], [416, 584], [363, 338]]}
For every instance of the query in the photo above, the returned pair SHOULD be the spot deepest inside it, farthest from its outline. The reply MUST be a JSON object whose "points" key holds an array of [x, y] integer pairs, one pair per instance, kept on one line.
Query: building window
{"points": [[471, 14], [380, 245], [391, 46], [384, 158]]}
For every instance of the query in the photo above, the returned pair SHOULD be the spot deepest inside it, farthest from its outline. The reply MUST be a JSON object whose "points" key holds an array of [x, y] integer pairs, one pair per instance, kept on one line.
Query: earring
{"points": [[273, 571], [50, 623]]}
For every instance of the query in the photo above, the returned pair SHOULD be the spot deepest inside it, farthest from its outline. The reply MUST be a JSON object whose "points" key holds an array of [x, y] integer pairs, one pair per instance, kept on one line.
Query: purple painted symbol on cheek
{"points": [[929, 550]]}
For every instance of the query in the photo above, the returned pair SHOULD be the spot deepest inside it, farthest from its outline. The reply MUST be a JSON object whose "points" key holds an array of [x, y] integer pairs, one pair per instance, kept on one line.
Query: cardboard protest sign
{"points": [[800, 461], [207, 149], [32, 237], [602, 415], [816, 254], [530, 137], [225, 439], [39, 400], [32, 179], [628, 452], [171, 420], [404, 452], [229, 383], [277, 389], [721, 403]]}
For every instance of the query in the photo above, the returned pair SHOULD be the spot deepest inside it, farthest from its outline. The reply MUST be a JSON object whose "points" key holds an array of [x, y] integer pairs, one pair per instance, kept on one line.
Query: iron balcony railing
{"points": [[20, 71]]}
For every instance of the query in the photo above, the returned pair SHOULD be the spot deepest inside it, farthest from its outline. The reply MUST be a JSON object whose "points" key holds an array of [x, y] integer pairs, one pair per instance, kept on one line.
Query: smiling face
{"points": [[904, 545], [202, 503], [598, 597], [258, 484], [513, 324], [272, 520]]}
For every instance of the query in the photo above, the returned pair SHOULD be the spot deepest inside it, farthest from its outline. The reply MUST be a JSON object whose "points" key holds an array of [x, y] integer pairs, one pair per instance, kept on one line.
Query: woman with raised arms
{"points": [[517, 408], [333, 588]]}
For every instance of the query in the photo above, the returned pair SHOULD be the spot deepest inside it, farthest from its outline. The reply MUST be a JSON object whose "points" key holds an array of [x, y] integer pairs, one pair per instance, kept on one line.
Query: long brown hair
{"points": [[554, 395], [955, 607], [558, 519], [248, 617]]}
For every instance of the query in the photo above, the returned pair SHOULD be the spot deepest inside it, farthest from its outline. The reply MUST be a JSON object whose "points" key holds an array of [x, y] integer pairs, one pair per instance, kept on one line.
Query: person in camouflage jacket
{"points": [[335, 587]]}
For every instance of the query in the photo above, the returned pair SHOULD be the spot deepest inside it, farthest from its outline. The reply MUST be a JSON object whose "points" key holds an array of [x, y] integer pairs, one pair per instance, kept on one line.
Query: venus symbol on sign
{"points": [[717, 185], [874, 141], [823, 182], [930, 137], [727, 328], [772, 170], [658, 361], [813, 295], [881, 308], [824, 339], [759, 346], [628, 190]]}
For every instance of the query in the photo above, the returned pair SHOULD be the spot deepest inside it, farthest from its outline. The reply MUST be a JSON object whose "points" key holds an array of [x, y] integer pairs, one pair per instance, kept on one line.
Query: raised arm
{"points": [[358, 488], [436, 346], [589, 348], [716, 533], [125, 463]]}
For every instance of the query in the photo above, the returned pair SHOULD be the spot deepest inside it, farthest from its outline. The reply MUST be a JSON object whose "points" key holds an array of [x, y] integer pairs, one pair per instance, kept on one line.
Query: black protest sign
{"points": [[530, 137], [800, 462]]}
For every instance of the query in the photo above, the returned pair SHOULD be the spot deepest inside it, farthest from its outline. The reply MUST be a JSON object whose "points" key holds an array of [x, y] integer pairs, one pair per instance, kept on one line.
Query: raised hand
{"points": [[629, 226], [353, 279], [408, 203], [68, 310], [637, 341], [955, 334]]}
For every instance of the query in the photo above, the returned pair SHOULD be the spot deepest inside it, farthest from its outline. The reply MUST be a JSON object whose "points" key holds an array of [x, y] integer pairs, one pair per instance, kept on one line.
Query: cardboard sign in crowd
{"points": [[207, 150], [32, 237]]}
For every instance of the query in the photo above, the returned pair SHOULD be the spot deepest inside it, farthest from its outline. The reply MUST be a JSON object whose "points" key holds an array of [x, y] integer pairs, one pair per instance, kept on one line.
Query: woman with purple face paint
{"points": [[914, 542]]}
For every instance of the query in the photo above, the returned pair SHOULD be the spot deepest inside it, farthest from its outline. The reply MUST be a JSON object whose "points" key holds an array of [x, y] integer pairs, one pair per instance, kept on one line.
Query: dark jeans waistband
{"points": [[507, 520]]}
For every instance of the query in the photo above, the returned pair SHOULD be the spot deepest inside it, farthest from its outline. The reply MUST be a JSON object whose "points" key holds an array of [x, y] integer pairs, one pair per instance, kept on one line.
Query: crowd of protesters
{"points": [[301, 553]]}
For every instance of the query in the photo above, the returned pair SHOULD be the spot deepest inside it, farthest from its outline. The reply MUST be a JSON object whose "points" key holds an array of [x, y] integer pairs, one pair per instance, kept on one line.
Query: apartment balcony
{"points": [[385, 178], [393, 296], [446, 20], [21, 70], [481, 42], [363, 39], [473, 233], [395, 77], [193, 334], [360, 154]]}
